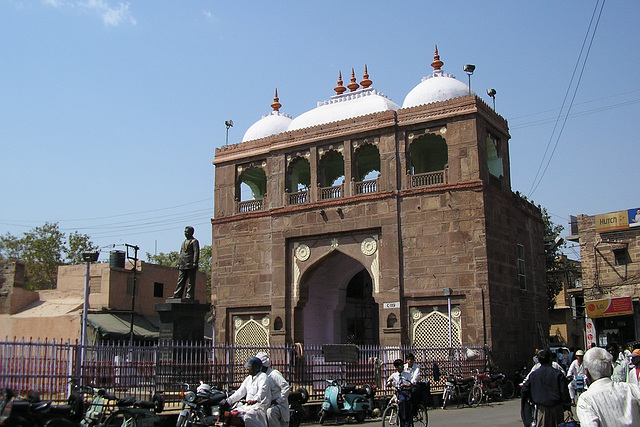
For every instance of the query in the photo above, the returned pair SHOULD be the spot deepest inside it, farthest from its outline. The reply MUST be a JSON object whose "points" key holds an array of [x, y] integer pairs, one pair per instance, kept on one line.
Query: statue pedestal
{"points": [[182, 319]]}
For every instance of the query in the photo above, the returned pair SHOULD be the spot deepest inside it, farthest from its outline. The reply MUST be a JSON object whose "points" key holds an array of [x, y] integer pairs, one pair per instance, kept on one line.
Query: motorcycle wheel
{"points": [[361, 416], [322, 416], [390, 416], [445, 398], [475, 396], [508, 389], [182, 421], [421, 418], [121, 418]]}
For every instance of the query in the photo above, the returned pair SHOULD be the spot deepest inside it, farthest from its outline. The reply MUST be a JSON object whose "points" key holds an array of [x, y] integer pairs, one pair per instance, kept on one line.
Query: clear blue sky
{"points": [[111, 111]]}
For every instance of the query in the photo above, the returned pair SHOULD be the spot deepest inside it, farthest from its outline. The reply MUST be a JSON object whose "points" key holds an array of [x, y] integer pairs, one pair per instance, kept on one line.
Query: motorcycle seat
{"points": [[467, 380], [126, 401], [496, 377]]}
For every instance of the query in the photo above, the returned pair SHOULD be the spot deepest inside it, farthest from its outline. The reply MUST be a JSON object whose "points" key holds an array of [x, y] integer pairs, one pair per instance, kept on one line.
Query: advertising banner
{"points": [[590, 332], [609, 307], [619, 220]]}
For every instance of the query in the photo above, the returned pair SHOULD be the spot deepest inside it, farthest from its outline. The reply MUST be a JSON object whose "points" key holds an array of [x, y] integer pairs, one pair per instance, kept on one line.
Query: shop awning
{"points": [[112, 326]]}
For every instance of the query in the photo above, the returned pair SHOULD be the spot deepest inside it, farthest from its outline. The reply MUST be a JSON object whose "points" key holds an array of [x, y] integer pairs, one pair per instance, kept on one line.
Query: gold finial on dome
{"points": [[276, 102], [353, 86], [437, 64], [365, 83], [340, 88]]}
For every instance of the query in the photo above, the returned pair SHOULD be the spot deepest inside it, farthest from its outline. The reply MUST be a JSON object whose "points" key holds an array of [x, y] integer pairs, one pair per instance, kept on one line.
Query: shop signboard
{"points": [[619, 220], [609, 307]]}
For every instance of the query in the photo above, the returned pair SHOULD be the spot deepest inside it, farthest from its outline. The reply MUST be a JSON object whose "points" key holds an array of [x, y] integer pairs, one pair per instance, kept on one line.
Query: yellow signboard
{"points": [[609, 307], [612, 221]]}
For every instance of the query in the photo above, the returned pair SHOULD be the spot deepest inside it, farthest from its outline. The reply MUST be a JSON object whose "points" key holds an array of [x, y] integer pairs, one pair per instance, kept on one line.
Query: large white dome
{"points": [[271, 124], [437, 87], [345, 106], [358, 102]]}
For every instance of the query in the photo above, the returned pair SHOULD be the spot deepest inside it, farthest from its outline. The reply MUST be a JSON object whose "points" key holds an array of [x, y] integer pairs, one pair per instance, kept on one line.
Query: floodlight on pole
{"points": [[492, 94], [469, 69], [228, 124], [87, 257]]}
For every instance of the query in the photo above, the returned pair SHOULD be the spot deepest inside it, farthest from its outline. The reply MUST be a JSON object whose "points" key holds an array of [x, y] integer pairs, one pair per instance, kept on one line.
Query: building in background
{"points": [[610, 254], [362, 221], [57, 313], [567, 322]]}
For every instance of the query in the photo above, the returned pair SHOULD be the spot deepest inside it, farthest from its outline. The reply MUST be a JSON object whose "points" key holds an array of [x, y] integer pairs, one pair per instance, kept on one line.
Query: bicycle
{"points": [[390, 417]]}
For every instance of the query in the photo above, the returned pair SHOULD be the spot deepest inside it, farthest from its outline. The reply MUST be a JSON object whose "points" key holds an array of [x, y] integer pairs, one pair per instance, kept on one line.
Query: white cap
{"points": [[264, 358]]}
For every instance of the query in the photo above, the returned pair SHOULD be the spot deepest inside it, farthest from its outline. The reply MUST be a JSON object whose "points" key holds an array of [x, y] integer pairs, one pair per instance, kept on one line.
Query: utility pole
{"points": [[133, 290]]}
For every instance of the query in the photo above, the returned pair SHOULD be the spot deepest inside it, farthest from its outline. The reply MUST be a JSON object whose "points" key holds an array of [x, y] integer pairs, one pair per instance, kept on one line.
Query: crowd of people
{"points": [[607, 379]]}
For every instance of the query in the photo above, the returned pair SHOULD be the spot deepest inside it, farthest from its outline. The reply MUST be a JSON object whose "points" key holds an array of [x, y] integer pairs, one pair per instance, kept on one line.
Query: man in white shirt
{"points": [[576, 370], [278, 411], [257, 394], [411, 367], [632, 378], [620, 363], [401, 382], [606, 403]]}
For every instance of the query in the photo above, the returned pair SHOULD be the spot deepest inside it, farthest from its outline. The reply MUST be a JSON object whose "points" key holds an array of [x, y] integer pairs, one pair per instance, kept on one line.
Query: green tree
{"points": [[43, 249], [552, 246]]}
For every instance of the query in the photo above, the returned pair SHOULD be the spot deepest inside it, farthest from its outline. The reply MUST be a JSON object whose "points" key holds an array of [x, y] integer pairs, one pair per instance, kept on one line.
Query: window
{"points": [[522, 279], [621, 256], [158, 290]]}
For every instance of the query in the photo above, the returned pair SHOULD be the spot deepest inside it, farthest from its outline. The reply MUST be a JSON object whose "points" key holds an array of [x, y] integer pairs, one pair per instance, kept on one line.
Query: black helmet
{"points": [[255, 364]]}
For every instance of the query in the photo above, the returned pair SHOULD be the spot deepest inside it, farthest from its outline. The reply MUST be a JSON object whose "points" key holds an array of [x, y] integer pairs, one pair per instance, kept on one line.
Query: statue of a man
{"points": [[188, 265]]}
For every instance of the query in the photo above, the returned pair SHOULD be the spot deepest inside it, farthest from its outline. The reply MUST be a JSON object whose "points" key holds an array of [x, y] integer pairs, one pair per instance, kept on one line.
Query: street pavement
{"points": [[496, 414]]}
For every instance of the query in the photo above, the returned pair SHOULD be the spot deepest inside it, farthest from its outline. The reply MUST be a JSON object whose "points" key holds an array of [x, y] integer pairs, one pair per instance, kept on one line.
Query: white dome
{"points": [[271, 124], [345, 106], [437, 87]]}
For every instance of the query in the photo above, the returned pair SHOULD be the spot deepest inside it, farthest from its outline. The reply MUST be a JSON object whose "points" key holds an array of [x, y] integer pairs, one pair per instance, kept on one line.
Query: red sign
{"points": [[609, 307]]}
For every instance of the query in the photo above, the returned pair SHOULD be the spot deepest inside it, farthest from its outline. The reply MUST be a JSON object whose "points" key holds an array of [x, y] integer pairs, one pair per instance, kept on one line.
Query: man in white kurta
{"points": [[278, 411], [606, 403], [257, 394]]}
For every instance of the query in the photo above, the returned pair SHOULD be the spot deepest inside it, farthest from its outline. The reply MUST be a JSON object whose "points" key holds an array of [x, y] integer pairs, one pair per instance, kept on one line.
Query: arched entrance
{"points": [[339, 307]]}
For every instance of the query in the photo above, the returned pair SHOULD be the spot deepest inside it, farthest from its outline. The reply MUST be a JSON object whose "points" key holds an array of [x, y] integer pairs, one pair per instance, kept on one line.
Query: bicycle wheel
{"points": [[121, 418], [421, 418], [390, 416], [508, 389], [475, 396]]}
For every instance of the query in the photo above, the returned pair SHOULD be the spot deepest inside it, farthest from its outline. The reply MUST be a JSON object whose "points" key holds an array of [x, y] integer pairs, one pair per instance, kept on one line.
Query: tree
{"points": [[552, 245], [43, 250]]}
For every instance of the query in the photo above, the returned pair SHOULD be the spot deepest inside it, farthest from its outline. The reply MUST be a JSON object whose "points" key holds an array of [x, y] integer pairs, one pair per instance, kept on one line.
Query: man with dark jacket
{"points": [[547, 387]]}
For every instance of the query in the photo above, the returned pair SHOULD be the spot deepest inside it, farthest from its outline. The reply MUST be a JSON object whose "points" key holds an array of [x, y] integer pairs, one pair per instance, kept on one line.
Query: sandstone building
{"points": [[365, 219], [610, 254]]}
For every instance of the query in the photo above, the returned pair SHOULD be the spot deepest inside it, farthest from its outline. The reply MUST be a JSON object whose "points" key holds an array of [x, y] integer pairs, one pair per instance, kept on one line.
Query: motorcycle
{"points": [[495, 385], [30, 411], [200, 407], [347, 401], [456, 389], [518, 379], [297, 411]]}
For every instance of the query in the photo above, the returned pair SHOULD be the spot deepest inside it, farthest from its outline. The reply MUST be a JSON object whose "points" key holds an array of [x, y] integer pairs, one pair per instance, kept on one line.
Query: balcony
{"points": [[428, 179], [250, 206], [334, 192], [297, 198], [366, 187]]}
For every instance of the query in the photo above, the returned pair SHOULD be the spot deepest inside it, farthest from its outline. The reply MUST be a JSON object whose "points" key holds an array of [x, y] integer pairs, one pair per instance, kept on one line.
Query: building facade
{"points": [[610, 254], [57, 313], [373, 223]]}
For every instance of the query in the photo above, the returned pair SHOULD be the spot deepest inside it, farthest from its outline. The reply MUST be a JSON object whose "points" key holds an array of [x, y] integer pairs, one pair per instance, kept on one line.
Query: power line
{"points": [[534, 184]]}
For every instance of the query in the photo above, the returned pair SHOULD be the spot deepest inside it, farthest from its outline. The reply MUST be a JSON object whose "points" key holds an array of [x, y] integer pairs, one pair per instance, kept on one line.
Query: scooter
{"points": [[346, 401], [297, 411]]}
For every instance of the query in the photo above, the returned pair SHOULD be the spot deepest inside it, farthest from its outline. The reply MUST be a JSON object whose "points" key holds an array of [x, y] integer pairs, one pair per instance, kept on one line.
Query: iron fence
{"points": [[142, 370]]}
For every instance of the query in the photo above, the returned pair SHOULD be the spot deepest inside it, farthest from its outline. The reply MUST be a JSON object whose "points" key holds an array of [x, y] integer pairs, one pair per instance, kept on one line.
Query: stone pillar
{"points": [[182, 319]]}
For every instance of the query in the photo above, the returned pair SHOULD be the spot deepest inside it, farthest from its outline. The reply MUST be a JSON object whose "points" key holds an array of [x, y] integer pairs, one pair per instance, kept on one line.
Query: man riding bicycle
{"points": [[401, 381]]}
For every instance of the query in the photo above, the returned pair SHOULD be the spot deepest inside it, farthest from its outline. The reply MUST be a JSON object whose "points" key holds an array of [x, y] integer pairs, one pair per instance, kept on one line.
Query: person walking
{"points": [[547, 388]]}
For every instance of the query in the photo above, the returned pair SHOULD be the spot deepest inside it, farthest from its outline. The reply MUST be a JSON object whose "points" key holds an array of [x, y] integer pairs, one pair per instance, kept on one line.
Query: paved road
{"points": [[499, 414]]}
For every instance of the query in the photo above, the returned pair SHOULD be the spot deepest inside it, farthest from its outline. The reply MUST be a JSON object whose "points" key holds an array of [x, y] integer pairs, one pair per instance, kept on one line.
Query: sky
{"points": [[111, 111]]}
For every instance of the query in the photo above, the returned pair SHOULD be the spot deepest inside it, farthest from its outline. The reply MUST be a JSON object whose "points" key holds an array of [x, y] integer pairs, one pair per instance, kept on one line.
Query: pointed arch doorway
{"points": [[336, 304]]}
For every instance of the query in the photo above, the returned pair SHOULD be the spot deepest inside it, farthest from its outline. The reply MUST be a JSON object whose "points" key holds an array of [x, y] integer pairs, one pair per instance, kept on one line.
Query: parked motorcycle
{"points": [[495, 385], [456, 389], [297, 411], [200, 407], [346, 401], [30, 411], [518, 379]]}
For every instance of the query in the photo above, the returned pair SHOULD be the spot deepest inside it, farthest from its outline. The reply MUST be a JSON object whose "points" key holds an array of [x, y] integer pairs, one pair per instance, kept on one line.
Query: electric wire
{"points": [[535, 184]]}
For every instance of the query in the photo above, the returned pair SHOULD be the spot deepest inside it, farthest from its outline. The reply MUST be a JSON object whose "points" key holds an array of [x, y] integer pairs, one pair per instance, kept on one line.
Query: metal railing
{"points": [[142, 370]]}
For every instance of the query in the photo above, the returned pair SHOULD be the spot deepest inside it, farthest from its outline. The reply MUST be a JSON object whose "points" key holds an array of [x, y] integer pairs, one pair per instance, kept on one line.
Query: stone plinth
{"points": [[182, 319]]}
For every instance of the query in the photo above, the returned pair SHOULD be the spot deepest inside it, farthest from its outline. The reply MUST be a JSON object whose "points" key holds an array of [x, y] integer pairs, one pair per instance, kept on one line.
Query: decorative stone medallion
{"points": [[266, 321], [456, 312], [369, 246], [303, 252]]}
